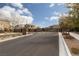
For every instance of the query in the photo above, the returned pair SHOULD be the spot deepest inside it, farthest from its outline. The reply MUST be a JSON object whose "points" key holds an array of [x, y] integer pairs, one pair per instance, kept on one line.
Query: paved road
{"points": [[38, 44]]}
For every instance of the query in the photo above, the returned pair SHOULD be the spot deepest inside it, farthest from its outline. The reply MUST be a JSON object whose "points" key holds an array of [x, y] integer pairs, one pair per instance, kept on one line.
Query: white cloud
{"points": [[65, 14], [26, 11], [54, 17], [51, 18], [30, 19], [57, 4], [18, 5], [56, 13], [13, 15], [20, 11], [60, 13], [26, 20], [8, 8], [5, 14], [52, 5]]}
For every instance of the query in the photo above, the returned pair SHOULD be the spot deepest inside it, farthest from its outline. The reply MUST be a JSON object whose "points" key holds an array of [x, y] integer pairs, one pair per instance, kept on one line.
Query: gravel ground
{"points": [[4, 36], [72, 43]]}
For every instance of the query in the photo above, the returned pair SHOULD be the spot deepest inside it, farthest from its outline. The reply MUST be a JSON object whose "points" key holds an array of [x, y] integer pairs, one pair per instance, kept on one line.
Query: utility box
{"points": [[24, 31]]}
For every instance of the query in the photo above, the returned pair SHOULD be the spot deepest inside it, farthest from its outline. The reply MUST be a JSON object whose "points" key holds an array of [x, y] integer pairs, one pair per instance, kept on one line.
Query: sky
{"points": [[40, 14]]}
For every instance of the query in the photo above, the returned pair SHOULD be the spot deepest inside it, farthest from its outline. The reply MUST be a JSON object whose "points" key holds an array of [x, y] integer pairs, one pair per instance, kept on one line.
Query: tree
{"points": [[66, 22], [71, 21], [74, 12]]}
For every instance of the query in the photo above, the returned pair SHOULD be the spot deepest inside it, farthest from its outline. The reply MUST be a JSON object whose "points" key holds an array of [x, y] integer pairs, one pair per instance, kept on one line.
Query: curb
{"points": [[63, 48], [12, 38], [76, 36]]}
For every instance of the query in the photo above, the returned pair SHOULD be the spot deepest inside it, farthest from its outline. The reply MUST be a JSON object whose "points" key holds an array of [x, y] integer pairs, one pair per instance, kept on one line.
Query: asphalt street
{"points": [[38, 44]]}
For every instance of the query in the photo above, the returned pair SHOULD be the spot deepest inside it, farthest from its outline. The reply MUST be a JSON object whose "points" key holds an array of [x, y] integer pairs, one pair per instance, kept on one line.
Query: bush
{"points": [[65, 33], [1, 31]]}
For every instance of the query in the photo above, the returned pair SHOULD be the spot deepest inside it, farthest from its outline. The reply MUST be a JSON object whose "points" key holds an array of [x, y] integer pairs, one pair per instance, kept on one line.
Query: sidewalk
{"points": [[75, 35], [63, 48], [68, 46]]}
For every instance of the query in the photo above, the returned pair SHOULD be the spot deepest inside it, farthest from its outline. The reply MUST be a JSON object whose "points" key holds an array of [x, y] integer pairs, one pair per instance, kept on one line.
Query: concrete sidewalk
{"points": [[63, 48], [75, 35]]}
